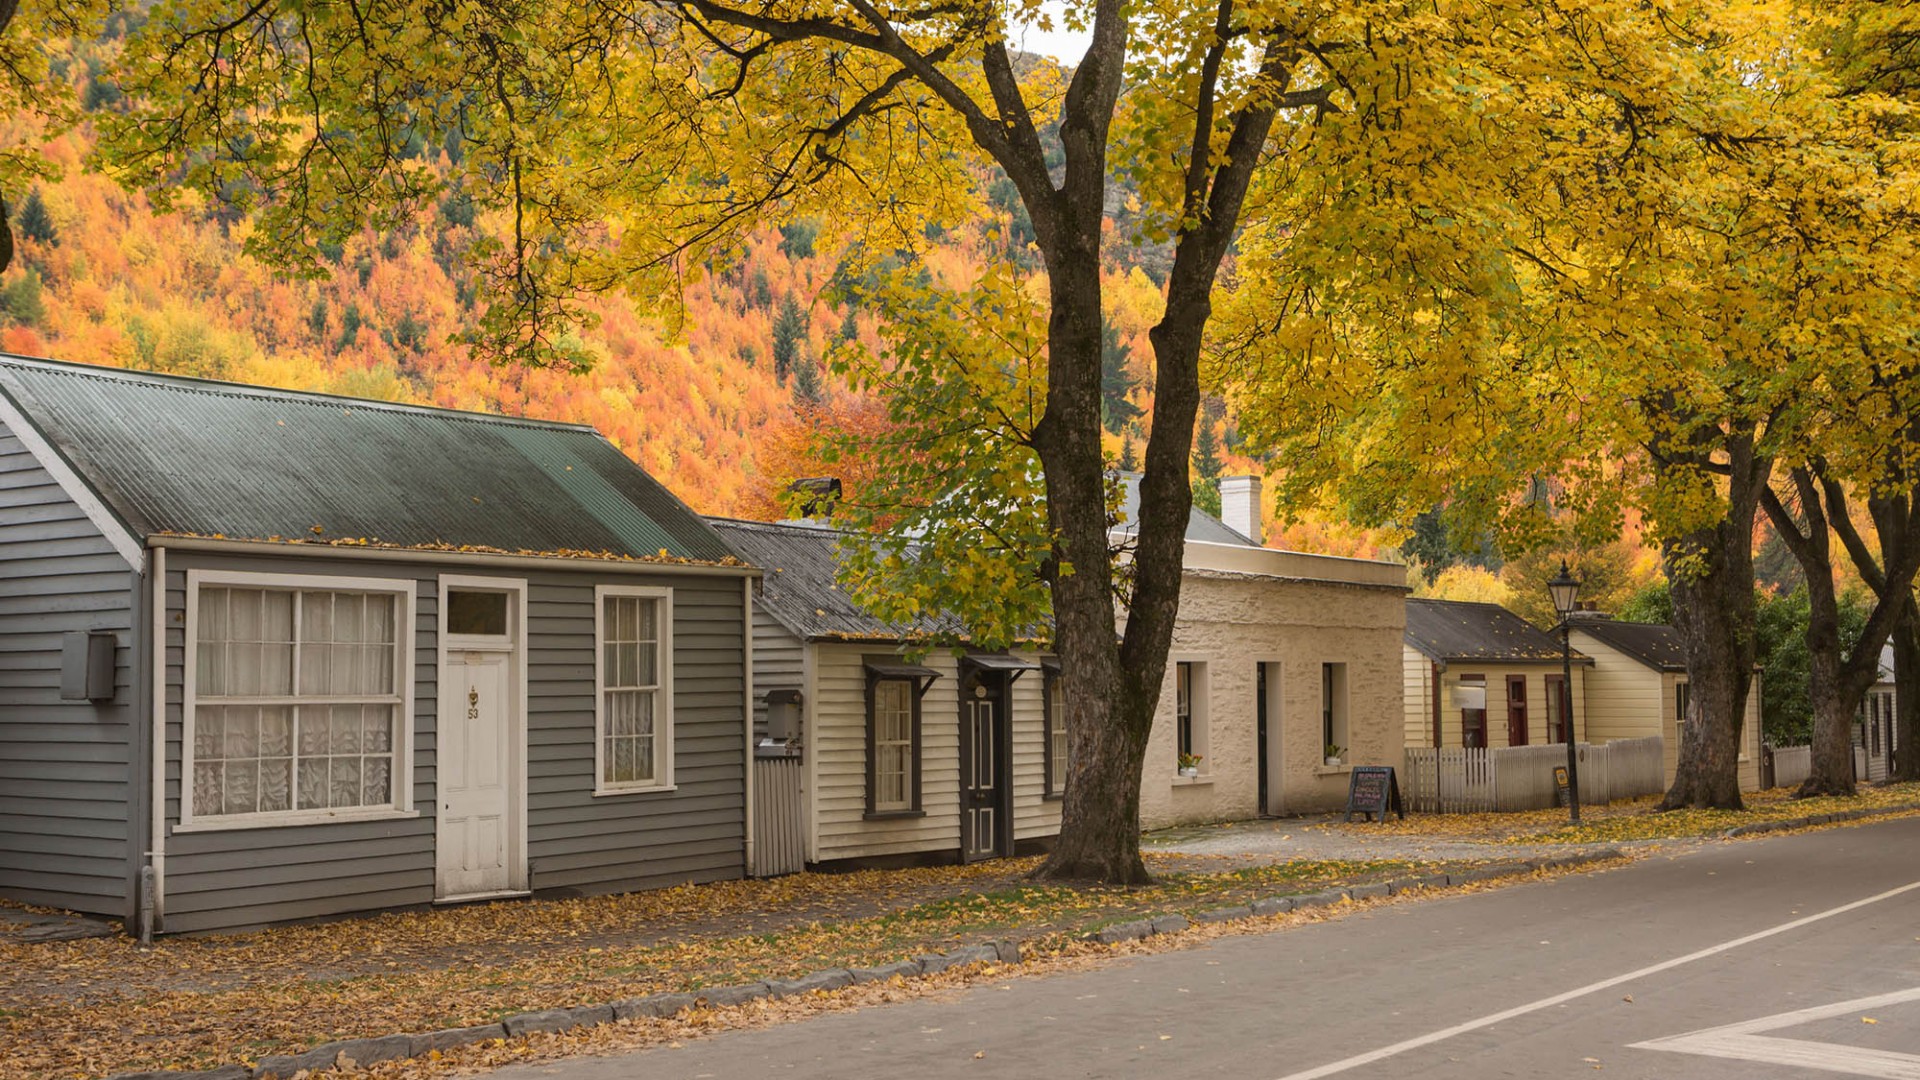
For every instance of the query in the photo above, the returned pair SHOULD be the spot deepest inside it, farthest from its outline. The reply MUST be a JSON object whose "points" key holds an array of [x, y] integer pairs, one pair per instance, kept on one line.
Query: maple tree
{"points": [[1635, 292], [628, 151]]}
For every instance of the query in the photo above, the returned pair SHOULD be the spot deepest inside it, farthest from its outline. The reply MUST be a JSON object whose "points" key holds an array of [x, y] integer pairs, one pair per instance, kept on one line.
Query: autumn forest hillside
{"points": [[718, 407]]}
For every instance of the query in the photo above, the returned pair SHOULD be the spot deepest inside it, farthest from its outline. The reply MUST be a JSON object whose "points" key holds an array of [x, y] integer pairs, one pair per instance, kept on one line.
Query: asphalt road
{"points": [[1795, 956]]}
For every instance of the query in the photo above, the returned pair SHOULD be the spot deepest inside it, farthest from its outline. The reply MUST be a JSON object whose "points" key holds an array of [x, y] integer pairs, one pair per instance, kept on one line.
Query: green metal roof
{"points": [[193, 457]]}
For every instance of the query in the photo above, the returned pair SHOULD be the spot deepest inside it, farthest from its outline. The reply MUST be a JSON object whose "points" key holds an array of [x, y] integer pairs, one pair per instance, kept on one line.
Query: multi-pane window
{"points": [[893, 704], [1191, 714], [297, 700], [1183, 708], [1056, 747], [1333, 710], [1473, 711], [1516, 710], [1556, 708], [634, 713]]}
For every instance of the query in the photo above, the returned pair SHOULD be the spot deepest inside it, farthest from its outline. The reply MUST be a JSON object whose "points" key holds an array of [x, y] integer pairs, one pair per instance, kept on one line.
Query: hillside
{"points": [[101, 278]]}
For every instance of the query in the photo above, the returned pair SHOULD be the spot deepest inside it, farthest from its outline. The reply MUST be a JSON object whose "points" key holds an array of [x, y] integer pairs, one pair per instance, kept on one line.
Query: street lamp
{"points": [[1565, 591]]}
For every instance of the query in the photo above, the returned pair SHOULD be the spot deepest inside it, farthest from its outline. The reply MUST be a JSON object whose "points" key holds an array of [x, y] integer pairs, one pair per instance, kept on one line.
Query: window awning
{"points": [[1012, 666], [892, 667]]}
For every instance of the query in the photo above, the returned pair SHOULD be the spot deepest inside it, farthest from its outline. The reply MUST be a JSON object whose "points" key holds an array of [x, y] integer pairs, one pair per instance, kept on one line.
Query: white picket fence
{"points": [[1455, 780], [1792, 765]]}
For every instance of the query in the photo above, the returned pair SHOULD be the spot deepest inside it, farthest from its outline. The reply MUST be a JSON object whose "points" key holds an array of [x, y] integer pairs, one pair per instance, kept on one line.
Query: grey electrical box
{"points": [[783, 715], [86, 665]]}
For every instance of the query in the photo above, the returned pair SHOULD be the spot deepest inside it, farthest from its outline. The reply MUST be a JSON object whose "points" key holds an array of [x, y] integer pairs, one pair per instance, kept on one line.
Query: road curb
{"points": [[349, 1054], [1142, 929], [1760, 828]]}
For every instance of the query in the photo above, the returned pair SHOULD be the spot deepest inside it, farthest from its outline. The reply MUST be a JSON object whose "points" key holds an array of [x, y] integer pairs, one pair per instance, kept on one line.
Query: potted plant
{"points": [[1189, 764], [1333, 753]]}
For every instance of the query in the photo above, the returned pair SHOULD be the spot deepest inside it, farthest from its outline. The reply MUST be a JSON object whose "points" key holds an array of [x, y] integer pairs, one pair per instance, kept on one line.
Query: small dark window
{"points": [[479, 614]]}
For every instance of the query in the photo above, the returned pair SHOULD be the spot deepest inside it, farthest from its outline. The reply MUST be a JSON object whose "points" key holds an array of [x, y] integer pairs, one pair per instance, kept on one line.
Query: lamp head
{"points": [[1565, 591]]}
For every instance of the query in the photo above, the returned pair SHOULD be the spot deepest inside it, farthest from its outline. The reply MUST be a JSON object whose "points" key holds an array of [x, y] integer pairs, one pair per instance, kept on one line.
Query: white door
{"points": [[475, 775]]}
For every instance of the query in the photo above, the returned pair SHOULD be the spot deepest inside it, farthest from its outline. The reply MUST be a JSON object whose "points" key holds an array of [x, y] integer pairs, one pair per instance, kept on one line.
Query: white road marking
{"points": [[1742, 1042], [1371, 1056]]}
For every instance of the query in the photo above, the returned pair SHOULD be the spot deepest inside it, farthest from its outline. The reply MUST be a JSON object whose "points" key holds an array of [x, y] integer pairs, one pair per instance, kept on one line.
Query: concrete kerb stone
{"points": [[354, 1053], [224, 1072], [905, 969], [819, 981], [453, 1038], [721, 996], [1759, 828], [652, 1007]]}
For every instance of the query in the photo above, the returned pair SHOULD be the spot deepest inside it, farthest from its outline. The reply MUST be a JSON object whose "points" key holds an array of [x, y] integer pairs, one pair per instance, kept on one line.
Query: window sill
{"points": [[1054, 796], [1332, 770], [657, 789], [893, 815], [1203, 780], [293, 821]]}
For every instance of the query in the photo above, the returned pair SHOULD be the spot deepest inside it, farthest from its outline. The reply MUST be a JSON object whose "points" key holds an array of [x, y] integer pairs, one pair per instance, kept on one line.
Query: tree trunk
{"points": [[1906, 693], [1840, 677], [1710, 572], [1109, 708], [1836, 697], [1713, 613]]}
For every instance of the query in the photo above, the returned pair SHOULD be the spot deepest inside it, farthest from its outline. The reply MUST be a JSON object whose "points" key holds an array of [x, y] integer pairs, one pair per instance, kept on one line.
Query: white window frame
{"points": [[663, 694], [403, 590], [1335, 715], [1199, 707]]}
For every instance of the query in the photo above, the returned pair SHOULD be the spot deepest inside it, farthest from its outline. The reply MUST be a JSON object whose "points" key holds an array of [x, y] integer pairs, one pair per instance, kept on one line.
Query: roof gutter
{"points": [[490, 558]]}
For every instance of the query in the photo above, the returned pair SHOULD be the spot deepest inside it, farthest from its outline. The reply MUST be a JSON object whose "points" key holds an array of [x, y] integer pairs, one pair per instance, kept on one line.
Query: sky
{"points": [[1063, 45]]}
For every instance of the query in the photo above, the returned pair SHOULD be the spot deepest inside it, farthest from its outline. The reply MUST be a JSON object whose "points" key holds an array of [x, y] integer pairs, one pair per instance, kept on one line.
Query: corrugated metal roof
{"points": [[1459, 630], [1653, 644], [180, 456], [800, 589], [1200, 525]]}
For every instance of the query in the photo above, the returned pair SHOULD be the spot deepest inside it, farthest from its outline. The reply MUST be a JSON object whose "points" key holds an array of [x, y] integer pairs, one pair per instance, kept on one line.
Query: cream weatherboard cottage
{"points": [[276, 655], [1638, 687], [1477, 675], [949, 756]]}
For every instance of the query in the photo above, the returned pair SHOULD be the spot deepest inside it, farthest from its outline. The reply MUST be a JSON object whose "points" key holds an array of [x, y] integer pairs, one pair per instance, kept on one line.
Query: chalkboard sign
{"points": [[1371, 790]]}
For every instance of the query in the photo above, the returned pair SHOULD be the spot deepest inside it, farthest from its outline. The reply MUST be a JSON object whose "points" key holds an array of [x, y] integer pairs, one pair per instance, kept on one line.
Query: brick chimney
{"points": [[1240, 506]]}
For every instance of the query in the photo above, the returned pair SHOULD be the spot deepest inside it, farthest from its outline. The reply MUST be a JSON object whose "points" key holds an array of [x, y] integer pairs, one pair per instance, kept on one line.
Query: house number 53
{"points": [[473, 703]]}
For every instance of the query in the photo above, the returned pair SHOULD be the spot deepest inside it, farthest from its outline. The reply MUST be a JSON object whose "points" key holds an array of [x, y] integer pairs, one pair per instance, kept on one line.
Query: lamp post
{"points": [[1565, 592]]}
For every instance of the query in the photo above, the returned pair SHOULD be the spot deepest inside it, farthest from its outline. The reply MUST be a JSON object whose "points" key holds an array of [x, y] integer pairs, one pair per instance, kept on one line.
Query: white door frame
{"points": [[444, 712]]}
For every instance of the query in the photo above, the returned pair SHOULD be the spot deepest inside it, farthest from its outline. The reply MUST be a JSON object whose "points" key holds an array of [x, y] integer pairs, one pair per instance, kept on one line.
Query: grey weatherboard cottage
{"points": [[296, 655]]}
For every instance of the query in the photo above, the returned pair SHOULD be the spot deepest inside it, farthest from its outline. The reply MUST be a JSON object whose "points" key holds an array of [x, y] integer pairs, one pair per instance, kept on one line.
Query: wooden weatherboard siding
{"points": [[576, 842], [65, 766], [1419, 682], [779, 663], [1630, 700], [836, 742]]}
